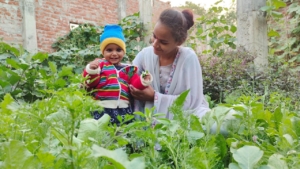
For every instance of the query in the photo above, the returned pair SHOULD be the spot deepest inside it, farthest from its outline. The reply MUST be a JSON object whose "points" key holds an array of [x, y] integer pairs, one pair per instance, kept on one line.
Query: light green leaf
{"points": [[233, 28], [40, 56], [181, 98], [277, 161], [234, 166], [16, 154], [194, 136], [52, 66], [118, 158], [264, 167], [8, 99], [31, 163], [273, 33], [66, 71], [13, 63], [61, 136], [276, 14], [9, 48], [4, 56], [46, 159], [278, 4], [289, 139], [248, 156], [266, 8], [91, 128]]}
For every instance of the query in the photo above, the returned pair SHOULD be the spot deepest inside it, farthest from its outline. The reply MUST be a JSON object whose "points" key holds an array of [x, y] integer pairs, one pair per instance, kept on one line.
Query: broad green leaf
{"points": [[52, 66], [278, 116], [8, 99], [276, 14], [293, 7], [247, 156], [46, 159], [8, 48], [289, 139], [277, 161], [61, 136], [193, 136], [118, 158], [60, 83], [16, 154], [221, 143], [266, 8], [31, 163], [13, 63], [181, 98], [234, 166], [159, 115], [91, 128], [4, 56], [273, 33], [293, 59], [233, 28], [40, 56], [66, 71], [278, 4], [109, 167], [264, 167], [13, 78]]}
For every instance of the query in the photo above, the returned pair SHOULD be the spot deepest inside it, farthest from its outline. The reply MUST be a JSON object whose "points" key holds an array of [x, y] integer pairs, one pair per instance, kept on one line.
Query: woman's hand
{"points": [[145, 95]]}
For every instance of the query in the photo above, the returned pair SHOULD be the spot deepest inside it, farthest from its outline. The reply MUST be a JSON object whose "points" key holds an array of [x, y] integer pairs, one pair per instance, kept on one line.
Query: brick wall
{"points": [[54, 16], [132, 6], [10, 22], [158, 7]]}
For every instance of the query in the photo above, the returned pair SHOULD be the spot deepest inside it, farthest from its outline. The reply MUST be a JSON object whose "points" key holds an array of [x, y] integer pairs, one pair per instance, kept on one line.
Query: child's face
{"points": [[113, 53]]}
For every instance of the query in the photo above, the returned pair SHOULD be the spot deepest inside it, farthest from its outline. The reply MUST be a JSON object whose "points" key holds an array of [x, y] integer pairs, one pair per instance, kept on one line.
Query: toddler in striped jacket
{"points": [[109, 79]]}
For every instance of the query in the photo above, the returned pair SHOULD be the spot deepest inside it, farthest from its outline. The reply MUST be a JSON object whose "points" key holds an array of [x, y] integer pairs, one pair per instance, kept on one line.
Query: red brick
{"points": [[53, 17]]}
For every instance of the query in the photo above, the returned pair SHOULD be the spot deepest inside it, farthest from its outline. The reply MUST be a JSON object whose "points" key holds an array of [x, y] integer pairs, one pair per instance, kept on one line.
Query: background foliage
{"points": [[81, 45]]}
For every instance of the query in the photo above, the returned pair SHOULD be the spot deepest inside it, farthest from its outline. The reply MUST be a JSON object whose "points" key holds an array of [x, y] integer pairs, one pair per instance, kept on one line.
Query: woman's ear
{"points": [[179, 43]]}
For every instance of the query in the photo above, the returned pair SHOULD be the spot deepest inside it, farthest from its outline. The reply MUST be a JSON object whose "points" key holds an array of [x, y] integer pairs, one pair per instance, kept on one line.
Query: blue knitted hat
{"points": [[112, 34]]}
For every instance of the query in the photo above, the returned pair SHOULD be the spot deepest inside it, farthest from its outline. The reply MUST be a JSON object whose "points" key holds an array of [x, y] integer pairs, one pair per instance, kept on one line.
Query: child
{"points": [[109, 79]]}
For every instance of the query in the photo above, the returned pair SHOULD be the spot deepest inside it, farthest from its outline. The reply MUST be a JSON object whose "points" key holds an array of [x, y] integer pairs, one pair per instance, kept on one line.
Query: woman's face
{"points": [[163, 41]]}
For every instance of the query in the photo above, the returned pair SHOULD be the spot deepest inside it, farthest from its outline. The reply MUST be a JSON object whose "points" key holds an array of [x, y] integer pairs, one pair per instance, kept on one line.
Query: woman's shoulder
{"points": [[148, 49], [145, 53], [188, 53]]}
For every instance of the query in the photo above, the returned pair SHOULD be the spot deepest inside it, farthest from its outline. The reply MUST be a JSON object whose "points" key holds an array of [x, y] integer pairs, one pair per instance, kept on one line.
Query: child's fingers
{"points": [[94, 66]]}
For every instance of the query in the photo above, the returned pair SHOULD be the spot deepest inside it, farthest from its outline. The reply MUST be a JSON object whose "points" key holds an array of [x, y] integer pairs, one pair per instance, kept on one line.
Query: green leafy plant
{"points": [[215, 28]]}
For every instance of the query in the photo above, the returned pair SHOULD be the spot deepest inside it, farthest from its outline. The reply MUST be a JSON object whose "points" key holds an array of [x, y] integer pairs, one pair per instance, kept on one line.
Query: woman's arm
{"points": [[189, 78]]}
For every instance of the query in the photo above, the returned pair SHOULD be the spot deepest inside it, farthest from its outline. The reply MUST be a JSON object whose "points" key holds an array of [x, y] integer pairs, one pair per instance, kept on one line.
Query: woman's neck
{"points": [[168, 59]]}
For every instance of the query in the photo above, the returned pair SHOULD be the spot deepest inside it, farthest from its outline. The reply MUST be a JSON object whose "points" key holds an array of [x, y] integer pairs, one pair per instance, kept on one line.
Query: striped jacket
{"points": [[111, 84]]}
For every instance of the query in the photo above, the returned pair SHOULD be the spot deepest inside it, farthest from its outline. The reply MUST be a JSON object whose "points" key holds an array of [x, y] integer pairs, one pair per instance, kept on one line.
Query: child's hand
{"points": [[147, 77], [95, 63]]}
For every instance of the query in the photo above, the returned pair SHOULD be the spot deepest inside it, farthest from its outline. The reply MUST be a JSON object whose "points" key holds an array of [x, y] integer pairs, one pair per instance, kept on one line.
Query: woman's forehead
{"points": [[162, 32]]}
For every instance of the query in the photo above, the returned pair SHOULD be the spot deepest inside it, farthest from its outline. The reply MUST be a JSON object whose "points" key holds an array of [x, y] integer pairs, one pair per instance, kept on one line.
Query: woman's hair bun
{"points": [[188, 14]]}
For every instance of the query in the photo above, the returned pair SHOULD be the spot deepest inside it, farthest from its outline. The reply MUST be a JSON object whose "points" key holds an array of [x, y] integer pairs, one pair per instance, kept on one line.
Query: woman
{"points": [[175, 69]]}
